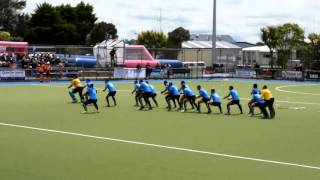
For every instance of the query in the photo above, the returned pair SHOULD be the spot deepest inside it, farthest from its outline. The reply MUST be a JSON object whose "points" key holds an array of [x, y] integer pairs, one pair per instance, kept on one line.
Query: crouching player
{"points": [[189, 96], [215, 100], [205, 98], [173, 95], [235, 100], [153, 93], [92, 98], [257, 101], [145, 90], [77, 87], [136, 90], [112, 92]]}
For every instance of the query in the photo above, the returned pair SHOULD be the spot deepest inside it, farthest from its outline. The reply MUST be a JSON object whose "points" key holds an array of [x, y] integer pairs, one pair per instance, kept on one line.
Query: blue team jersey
{"points": [[153, 89], [188, 92], [234, 95], [215, 98], [166, 87], [92, 92], [187, 87], [173, 90], [88, 84], [111, 87], [255, 91], [145, 87], [257, 98], [203, 93], [137, 87]]}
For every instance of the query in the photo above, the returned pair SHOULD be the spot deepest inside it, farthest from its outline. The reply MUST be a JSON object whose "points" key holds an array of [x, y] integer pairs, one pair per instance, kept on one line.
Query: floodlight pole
{"points": [[214, 33]]}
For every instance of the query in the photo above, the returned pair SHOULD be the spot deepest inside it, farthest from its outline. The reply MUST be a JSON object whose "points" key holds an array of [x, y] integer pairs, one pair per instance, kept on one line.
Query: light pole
{"points": [[214, 33]]}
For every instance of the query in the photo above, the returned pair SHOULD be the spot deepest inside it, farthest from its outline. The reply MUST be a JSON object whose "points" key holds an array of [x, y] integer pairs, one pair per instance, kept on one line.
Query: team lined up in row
{"points": [[144, 91], [261, 99]]}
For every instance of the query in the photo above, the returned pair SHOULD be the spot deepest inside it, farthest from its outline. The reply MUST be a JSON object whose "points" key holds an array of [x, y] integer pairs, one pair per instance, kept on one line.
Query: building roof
{"points": [[208, 37], [257, 49], [244, 44], [208, 45]]}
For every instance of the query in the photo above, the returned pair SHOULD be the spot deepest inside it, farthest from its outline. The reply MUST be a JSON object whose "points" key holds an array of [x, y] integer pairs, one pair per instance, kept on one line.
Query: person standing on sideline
{"points": [[235, 100], [113, 57]]}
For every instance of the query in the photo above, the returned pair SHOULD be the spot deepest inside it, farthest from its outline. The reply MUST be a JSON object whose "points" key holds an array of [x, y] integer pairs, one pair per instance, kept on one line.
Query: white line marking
{"points": [[290, 102], [163, 146], [294, 92]]}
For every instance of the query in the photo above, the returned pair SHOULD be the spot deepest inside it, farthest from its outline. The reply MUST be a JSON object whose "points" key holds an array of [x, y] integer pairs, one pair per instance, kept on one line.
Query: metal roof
{"points": [[208, 45]]}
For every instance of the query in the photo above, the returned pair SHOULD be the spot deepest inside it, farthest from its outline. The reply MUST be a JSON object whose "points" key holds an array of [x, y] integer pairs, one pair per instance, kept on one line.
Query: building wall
{"points": [[225, 56]]}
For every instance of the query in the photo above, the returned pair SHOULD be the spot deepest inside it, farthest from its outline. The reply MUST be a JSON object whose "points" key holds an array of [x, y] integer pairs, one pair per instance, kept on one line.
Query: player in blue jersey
{"points": [[112, 92], [136, 90], [205, 98], [146, 94], [153, 93], [182, 97], [189, 97], [88, 83], [257, 101], [255, 90], [215, 100], [235, 99], [92, 98], [173, 95]]}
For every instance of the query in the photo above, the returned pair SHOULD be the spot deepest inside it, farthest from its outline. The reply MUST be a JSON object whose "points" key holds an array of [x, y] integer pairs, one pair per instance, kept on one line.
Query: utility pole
{"points": [[214, 33], [160, 19]]}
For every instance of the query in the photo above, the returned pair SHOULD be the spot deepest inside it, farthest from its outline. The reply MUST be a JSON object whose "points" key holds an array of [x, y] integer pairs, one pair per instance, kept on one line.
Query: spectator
{"points": [[148, 71]]}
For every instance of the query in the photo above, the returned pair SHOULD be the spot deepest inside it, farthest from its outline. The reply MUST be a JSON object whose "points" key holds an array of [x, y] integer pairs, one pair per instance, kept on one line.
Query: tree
{"points": [[42, 24], [9, 14], [62, 24], [311, 52], [101, 31], [5, 36], [85, 21], [177, 36], [270, 36], [291, 37], [152, 39]]}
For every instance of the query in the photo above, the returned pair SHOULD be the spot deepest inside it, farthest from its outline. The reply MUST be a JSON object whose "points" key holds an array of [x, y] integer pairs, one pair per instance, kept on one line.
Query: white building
{"points": [[256, 55], [228, 53]]}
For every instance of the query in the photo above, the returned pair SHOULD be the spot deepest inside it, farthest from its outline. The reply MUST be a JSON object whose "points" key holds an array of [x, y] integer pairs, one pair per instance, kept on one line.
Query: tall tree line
{"points": [[63, 24]]}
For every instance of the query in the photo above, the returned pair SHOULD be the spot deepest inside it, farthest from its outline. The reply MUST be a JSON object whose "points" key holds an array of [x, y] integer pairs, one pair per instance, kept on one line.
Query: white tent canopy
{"points": [[102, 52], [263, 49]]}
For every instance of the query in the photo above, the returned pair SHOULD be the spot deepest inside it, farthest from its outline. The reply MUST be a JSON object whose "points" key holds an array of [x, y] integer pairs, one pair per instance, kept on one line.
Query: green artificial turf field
{"points": [[80, 148]]}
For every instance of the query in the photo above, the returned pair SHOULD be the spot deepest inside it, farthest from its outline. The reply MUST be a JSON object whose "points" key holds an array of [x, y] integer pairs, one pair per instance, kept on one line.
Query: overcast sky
{"points": [[240, 18]]}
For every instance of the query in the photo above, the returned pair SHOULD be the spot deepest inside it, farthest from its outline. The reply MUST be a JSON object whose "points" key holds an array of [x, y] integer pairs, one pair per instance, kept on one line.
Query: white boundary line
{"points": [[290, 102], [294, 92], [163, 146]]}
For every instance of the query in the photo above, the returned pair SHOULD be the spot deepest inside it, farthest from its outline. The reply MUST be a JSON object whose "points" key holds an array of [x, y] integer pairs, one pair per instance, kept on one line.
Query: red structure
{"points": [[20, 48]]}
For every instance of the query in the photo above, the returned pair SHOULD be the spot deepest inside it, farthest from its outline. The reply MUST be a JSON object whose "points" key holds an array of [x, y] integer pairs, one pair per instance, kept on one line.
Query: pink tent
{"points": [[16, 47], [139, 55]]}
